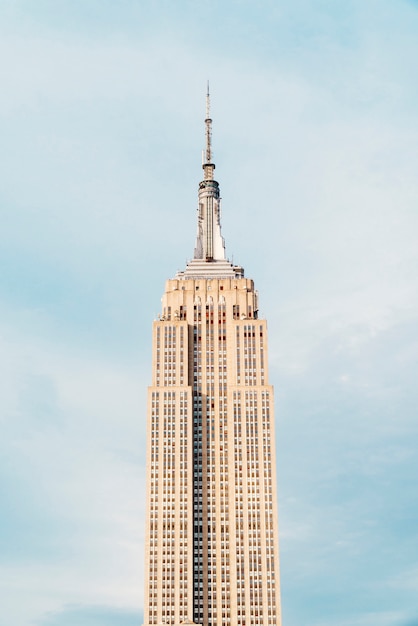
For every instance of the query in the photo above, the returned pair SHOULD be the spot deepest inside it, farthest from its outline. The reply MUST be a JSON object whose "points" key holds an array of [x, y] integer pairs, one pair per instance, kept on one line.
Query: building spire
{"points": [[209, 259], [210, 245], [207, 165], [208, 123]]}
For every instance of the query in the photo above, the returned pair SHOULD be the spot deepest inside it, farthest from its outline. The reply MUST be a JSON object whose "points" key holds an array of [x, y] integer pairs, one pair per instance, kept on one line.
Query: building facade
{"points": [[211, 543]]}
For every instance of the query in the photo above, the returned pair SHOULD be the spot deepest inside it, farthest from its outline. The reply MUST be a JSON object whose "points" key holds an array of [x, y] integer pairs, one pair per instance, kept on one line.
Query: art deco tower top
{"points": [[209, 259]]}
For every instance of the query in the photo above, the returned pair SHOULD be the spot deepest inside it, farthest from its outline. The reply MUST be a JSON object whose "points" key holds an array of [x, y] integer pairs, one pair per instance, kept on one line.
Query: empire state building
{"points": [[211, 542]]}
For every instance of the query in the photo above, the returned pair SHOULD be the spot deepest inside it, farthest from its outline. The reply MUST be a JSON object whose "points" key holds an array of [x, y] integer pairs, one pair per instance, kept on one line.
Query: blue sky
{"points": [[315, 108]]}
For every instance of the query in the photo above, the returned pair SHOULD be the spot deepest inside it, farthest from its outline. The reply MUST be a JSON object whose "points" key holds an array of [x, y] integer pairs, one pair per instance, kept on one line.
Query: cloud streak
{"points": [[315, 132]]}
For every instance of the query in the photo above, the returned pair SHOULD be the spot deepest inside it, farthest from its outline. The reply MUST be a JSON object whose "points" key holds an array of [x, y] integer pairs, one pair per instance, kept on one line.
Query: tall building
{"points": [[211, 547]]}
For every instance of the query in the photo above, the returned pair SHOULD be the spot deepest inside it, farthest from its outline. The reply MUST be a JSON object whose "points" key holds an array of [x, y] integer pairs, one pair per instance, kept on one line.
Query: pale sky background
{"points": [[315, 135]]}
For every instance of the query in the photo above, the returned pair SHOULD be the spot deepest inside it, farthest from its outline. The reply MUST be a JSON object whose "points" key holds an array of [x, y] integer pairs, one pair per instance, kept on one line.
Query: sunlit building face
{"points": [[211, 528]]}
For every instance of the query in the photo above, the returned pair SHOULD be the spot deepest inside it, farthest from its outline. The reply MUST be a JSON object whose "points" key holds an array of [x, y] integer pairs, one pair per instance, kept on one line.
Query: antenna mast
{"points": [[208, 123]]}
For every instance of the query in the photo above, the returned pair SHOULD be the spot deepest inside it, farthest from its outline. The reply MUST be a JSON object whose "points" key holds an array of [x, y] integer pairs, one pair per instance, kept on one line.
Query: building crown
{"points": [[209, 259], [210, 245]]}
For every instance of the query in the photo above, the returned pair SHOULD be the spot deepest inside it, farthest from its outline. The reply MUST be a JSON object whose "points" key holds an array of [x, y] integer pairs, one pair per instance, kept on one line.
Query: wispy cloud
{"points": [[92, 616], [315, 138], [71, 473]]}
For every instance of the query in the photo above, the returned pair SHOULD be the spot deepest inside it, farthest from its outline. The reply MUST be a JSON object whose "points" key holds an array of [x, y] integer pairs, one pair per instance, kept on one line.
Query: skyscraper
{"points": [[211, 544]]}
